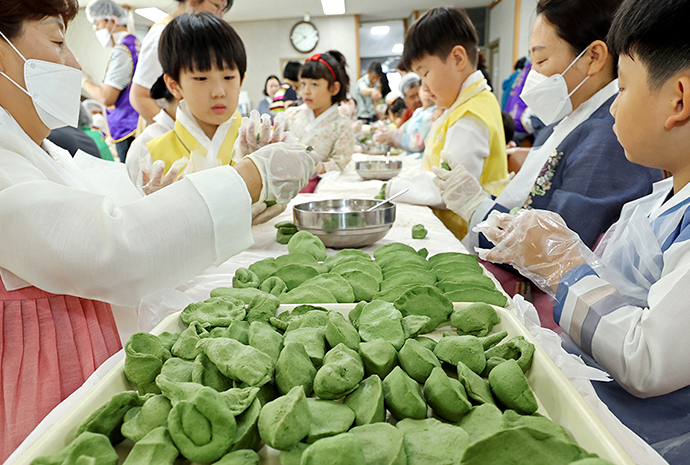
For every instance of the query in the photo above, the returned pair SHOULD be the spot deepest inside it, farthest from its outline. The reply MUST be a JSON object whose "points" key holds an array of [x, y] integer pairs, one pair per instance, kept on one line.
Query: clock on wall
{"points": [[304, 36]]}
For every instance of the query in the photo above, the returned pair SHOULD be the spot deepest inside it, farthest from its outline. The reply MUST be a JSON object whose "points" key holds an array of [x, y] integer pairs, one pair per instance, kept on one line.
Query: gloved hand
{"points": [[152, 174], [383, 135], [461, 191], [537, 243], [262, 213], [285, 169], [247, 139]]}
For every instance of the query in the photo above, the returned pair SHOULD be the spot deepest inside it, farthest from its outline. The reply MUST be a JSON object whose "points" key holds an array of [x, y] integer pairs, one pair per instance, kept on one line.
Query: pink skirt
{"points": [[49, 345]]}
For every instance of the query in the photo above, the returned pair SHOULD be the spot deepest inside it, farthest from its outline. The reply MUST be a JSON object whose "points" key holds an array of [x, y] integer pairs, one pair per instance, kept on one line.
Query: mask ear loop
{"points": [[23, 58], [12, 45], [573, 64]]}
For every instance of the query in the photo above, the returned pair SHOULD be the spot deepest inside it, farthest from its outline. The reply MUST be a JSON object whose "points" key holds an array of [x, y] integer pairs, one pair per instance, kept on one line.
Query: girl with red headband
{"points": [[323, 84]]}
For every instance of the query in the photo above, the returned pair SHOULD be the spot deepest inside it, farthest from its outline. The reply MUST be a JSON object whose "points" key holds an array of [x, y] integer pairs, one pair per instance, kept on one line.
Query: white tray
{"points": [[556, 396]]}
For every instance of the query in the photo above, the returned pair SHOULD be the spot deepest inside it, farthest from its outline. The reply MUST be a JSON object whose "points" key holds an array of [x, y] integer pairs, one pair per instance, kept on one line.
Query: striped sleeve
{"points": [[120, 68]]}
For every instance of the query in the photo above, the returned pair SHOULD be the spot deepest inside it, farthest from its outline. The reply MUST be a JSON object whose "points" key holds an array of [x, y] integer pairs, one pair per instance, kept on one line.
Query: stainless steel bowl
{"points": [[343, 223], [378, 169]]}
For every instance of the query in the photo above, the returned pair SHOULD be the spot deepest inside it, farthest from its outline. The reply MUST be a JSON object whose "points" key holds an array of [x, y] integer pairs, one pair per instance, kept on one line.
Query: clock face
{"points": [[304, 36]]}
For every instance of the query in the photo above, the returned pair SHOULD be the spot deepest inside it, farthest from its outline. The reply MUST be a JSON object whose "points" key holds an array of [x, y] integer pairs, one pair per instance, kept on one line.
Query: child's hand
{"points": [[256, 132], [262, 213], [153, 174], [460, 190]]}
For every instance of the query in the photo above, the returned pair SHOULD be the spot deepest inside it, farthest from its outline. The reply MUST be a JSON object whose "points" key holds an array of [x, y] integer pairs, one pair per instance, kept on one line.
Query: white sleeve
{"points": [[422, 191], [467, 143], [120, 67], [149, 67], [69, 241]]}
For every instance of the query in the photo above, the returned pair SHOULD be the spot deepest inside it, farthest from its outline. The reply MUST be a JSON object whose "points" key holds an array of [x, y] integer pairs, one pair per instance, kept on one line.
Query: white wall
{"points": [[268, 42]]}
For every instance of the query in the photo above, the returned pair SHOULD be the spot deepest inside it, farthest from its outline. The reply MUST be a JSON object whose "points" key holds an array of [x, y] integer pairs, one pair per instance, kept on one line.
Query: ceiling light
{"points": [[398, 49], [152, 14], [333, 7], [379, 30]]}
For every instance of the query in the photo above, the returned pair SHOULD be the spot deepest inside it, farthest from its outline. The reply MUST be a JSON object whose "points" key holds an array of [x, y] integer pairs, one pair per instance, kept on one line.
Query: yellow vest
{"points": [[179, 143], [476, 100]]}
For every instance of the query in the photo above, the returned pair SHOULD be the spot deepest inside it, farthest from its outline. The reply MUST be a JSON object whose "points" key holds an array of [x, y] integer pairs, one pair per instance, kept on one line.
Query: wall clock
{"points": [[304, 36]]}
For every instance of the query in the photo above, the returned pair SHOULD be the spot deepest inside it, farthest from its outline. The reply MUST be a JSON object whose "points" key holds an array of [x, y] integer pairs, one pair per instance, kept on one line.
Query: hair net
{"points": [[105, 9], [409, 80], [91, 104], [85, 120]]}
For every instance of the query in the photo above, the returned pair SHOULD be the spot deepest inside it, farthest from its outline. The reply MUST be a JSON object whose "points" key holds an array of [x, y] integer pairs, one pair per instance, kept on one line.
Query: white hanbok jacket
{"points": [[79, 227]]}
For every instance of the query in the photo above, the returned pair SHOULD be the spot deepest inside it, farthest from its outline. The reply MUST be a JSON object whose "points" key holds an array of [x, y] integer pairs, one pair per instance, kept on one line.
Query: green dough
{"points": [[204, 428], [285, 421], [417, 360], [238, 330], [466, 349], [287, 227], [424, 277], [592, 461], [274, 286], [238, 361], [295, 274], [516, 348], [419, 231], [392, 248], [340, 374], [430, 441], [363, 284], [413, 325], [306, 242], [460, 282], [453, 257], [88, 448], [178, 369], [205, 372], [294, 455], [446, 396], [476, 387], [355, 313], [262, 336], [382, 192], [310, 319], [478, 294], [492, 339], [185, 347], [425, 301], [313, 340], [482, 421], [379, 357], [168, 339], [305, 293], [367, 401], [512, 419], [475, 320], [522, 446], [393, 260], [294, 368], [345, 255], [267, 393], [392, 294], [382, 444], [445, 166], [140, 421], [247, 435], [343, 449], [260, 305], [403, 396], [336, 285], [240, 457], [426, 342], [381, 320], [216, 311], [328, 418], [300, 259], [368, 266], [395, 269], [245, 278], [339, 330], [156, 448], [108, 418], [283, 237], [264, 268], [176, 391], [144, 358], [510, 386], [239, 399]]}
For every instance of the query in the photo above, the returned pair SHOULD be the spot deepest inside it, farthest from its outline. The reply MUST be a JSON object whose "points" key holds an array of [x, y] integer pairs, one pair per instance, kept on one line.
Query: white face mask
{"points": [[54, 89], [548, 97], [104, 36], [98, 121]]}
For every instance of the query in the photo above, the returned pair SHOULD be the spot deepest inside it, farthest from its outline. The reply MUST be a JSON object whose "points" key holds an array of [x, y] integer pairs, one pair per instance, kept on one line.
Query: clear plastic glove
{"points": [[383, 135], [256, 131], [153, 175], [262, 213], [537, 243], [460, 190], [284, 168]]}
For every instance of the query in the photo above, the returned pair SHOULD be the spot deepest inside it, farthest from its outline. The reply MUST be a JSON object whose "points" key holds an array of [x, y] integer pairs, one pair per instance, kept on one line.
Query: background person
{"points": [[368, 93], [286, 96], [74, 139], [409, 89], [271, 86]]}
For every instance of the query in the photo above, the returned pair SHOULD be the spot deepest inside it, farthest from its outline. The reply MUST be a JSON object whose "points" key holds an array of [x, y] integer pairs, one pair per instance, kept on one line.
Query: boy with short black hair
{"points": [[204, 62], [441, 47], [632, 315]]}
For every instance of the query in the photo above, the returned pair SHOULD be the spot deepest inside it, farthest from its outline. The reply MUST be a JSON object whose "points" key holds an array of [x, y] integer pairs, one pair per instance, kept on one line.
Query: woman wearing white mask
{"points": [[77, 238], [110, 23], [576, 168]]}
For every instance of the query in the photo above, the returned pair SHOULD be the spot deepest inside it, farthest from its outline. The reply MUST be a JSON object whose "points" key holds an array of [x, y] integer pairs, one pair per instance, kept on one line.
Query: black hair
{"points": [[317, 70], [436, 32], [655, 33], [520, 64], [291, 70], [272, 76], [197, 41], [397, 107], [226, 8], [160, 90], [375, 67], [580, 22], [508, 126]]}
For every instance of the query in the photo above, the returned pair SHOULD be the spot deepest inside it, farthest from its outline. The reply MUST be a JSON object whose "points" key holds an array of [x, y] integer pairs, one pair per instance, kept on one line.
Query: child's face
{"points": [[317, 94], [443, 78], [640, 115], [211, 96]]}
